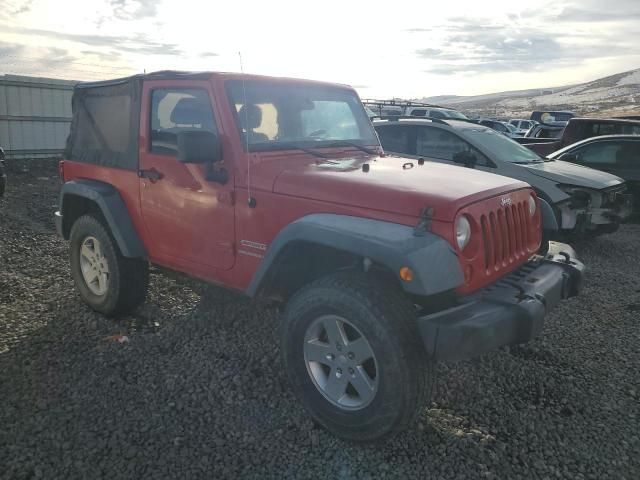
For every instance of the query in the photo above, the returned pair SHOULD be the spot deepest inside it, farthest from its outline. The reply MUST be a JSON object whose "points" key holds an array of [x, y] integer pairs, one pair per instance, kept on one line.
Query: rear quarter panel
{"points": [[125, 181]]}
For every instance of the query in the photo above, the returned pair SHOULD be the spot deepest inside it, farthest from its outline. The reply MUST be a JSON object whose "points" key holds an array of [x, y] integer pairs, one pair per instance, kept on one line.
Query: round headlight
{"points": [[532, 205], [463, 232]]}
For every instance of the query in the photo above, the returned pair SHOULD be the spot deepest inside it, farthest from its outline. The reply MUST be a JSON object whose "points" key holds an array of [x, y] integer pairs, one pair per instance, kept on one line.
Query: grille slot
{"points": [[505, 234]]}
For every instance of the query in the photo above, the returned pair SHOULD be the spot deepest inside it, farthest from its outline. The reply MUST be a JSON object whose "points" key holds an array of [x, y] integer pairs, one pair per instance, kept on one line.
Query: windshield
{"points": [[279, 116], [502, 148]]}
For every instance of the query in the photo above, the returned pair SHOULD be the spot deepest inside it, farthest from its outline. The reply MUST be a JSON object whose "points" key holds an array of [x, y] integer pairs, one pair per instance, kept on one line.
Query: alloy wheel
{"points": [[341, 362], [94, 266]]}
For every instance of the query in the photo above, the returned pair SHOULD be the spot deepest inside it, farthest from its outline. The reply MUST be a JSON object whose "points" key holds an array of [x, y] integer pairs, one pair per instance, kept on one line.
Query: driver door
{"points": [[189, 221]]}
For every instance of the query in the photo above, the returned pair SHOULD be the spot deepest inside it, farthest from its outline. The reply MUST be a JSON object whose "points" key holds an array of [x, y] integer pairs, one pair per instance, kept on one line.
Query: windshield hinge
{"points": [[426, 214]]}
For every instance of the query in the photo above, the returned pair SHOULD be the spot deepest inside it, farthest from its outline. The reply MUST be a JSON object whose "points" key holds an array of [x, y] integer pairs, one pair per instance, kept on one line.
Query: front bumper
{"points": [[510, 311]]}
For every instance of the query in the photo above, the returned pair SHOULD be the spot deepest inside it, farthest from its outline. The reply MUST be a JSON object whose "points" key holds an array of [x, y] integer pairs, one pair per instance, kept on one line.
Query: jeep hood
{"points": [[572, 174], [392, 184]]}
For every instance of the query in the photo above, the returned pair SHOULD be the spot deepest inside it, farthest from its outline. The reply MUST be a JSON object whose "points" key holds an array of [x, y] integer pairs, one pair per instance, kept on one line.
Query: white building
{"points": [[35, 115]]}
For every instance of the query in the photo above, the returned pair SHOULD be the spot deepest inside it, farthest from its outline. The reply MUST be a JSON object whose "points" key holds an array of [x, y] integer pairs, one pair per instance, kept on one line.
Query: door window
{"points": [[622, 154], [436, 114], [438, 143], [178, 110], [394, 138]]}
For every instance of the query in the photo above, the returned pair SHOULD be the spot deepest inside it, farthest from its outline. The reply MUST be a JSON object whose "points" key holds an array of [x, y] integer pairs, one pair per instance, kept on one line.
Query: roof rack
{"points": [[410, 117], [398, 103]]}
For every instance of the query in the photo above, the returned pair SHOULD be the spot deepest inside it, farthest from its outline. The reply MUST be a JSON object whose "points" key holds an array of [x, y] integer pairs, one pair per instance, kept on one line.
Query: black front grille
{"points": [[505, 234]]}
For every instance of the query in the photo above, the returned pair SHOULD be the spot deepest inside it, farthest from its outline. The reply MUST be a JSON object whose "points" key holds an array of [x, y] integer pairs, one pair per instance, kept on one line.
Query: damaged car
{"points": [[575, 199], [615, 154]]}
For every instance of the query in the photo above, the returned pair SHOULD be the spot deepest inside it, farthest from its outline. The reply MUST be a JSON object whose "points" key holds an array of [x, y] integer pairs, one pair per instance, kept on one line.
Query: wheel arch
{"points": [[550, 214], [80, 197], [319, 244]]}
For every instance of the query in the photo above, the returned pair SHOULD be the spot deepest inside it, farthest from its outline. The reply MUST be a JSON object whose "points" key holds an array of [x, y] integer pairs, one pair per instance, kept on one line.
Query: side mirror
{"points": [[466, 158], [569, 157], [198, 146]]}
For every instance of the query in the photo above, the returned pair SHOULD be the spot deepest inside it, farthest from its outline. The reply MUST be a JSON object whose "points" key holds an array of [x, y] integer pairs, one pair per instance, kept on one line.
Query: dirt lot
{"points": [[198, 390]]}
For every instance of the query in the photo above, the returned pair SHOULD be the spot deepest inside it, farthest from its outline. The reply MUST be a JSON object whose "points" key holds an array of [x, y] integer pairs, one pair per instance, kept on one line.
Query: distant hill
{"points": [[614, 95]]}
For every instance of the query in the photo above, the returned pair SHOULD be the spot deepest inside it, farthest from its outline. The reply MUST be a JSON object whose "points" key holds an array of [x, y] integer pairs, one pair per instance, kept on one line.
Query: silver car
{"points": [[573, 198]]}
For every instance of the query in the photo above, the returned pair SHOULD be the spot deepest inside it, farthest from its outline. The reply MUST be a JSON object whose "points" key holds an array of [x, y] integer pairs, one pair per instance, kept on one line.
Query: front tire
{"points": [[108, 282], [352, 352]]}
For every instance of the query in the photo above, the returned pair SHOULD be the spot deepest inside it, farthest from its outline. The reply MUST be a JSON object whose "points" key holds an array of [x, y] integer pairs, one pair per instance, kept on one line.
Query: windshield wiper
{"points": [[346, 143], [312, 152]]}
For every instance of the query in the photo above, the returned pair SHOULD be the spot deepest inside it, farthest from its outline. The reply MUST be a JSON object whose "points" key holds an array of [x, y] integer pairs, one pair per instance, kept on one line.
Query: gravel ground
{"points": [[198, 391]]}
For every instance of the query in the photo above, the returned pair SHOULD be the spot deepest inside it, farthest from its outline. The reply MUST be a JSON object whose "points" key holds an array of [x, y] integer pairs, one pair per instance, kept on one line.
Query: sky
{"points": [[407, 49]]}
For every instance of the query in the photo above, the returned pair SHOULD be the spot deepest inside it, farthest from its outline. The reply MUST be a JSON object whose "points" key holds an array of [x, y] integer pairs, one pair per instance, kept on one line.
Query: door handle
{"points": [[152, 175]]}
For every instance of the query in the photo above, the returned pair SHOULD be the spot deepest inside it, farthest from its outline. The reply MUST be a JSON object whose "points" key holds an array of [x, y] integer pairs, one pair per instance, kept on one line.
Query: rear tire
{"points": [[108, 282], [397, 382]]}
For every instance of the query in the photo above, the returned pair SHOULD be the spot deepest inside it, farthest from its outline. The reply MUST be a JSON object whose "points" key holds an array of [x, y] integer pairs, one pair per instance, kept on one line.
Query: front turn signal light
{"points": [[406, 274]]}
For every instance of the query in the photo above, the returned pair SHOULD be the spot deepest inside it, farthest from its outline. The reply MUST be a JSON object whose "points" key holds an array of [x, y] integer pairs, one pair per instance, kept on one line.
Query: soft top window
{"points": [[104, 126]]}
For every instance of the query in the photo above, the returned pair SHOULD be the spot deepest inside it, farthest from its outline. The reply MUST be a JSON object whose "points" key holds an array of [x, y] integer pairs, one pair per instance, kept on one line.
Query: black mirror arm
{"points": [[211, 174]]}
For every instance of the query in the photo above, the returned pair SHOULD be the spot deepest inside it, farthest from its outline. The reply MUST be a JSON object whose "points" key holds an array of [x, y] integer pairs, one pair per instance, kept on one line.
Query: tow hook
{"points": [[567, 257]]}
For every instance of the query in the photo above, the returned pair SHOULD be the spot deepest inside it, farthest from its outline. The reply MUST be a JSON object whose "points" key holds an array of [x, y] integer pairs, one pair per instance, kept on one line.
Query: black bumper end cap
{"points": [[57, 217], [509, 312]]}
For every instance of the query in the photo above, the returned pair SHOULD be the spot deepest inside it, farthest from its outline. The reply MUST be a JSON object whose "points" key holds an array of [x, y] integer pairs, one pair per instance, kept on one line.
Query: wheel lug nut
{"points": [[351, 371], [338, 372], [351, 355], [330, 357]]}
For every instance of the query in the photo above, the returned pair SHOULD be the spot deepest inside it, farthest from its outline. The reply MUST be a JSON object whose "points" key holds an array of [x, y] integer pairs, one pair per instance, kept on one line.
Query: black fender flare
{"points": [[549, 220], [113, 209], [432, 259]]}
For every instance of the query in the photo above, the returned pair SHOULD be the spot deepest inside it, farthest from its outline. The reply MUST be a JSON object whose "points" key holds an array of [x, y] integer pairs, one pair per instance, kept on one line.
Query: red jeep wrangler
{"points": [[279, 187]]}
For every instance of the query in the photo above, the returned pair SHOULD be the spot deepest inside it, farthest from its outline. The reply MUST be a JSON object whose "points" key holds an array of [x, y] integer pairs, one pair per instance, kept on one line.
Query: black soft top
{"points": [[159, 75]]}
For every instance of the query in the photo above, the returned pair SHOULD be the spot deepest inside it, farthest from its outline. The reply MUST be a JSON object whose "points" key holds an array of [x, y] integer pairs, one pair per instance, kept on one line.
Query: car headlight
{"points": [[579, 197], [532, 205], [463, 232]]}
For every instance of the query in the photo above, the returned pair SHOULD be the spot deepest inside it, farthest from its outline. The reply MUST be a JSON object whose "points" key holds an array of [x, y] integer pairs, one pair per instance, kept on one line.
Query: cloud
{"points": [[10, 49], [55, 57], [429, 52], [521, 43], [137, 43], [133, 9], [16, 8], [25, 7], [592, 11], [104, 56]]}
